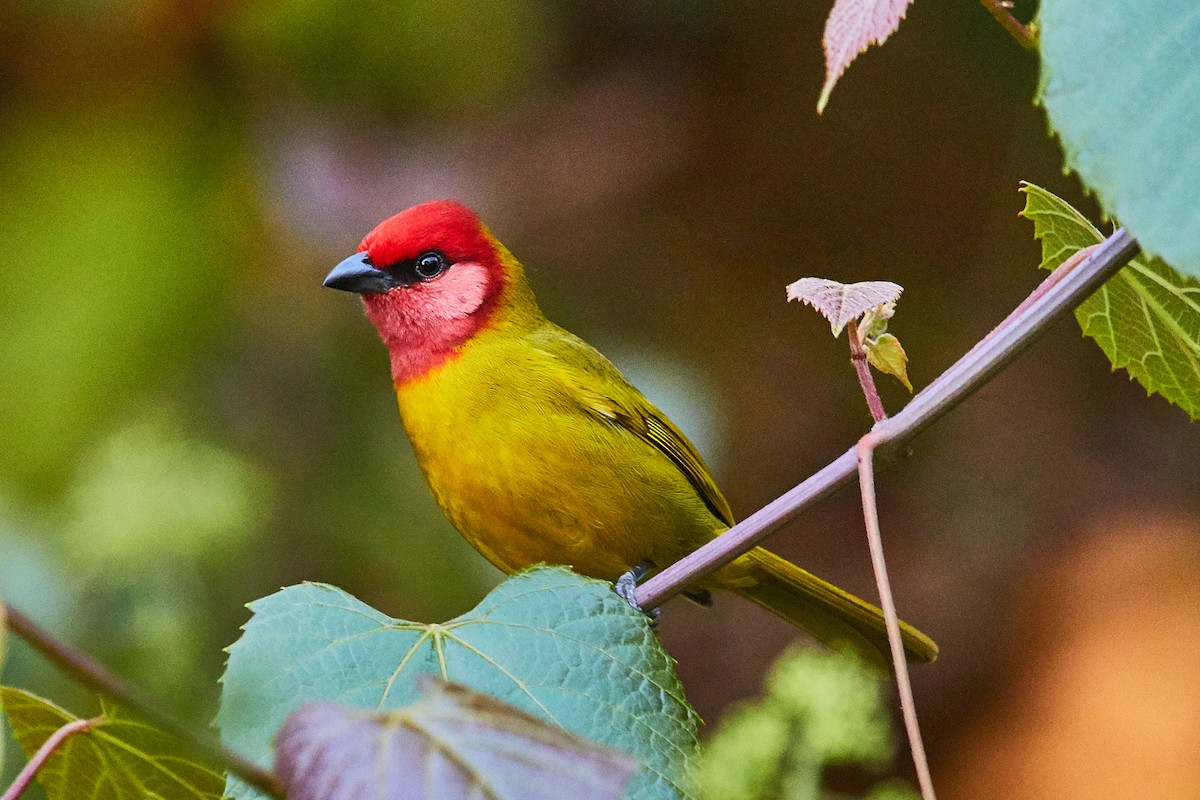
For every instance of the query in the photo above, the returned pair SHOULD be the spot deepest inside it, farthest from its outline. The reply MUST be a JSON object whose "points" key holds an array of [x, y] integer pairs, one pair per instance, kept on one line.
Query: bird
{"points": [[537, 448]]}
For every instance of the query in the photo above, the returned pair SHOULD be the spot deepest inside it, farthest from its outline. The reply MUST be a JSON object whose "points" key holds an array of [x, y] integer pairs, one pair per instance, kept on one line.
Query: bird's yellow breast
{"points": [[528, 474]]}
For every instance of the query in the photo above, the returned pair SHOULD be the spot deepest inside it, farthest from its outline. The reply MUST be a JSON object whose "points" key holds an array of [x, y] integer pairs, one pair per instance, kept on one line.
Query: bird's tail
{"points": [[837, 618]]}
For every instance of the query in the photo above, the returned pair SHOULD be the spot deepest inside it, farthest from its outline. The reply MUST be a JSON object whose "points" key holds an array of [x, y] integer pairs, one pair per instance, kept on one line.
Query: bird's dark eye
{"points": [[430, 265]]}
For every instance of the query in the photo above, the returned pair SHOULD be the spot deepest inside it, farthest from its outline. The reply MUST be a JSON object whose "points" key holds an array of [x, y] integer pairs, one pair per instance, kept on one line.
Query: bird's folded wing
{"points": [[621, 403]]}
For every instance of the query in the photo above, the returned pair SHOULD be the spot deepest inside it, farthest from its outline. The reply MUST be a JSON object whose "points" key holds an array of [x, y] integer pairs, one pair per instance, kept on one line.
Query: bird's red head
{"points": [[431, 278]]}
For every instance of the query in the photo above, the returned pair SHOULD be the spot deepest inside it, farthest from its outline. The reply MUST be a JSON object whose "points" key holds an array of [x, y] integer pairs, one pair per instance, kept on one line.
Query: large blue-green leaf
{"points": [[1121, 84], [557, 645]]}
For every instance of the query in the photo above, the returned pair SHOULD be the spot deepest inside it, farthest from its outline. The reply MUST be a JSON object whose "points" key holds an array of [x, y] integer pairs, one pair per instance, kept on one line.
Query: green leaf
{"points": [[887, 355], [838, 699], [893, 790], [1121, 85], [557, 645], [1146, 319], [460, 743], [821, 709], [118, 759]]}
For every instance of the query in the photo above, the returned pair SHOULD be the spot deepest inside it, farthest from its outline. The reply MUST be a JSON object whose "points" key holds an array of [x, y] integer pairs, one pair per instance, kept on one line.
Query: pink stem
{"points": [[866, 480], [858, 357], [1010, 338], [35, 764]]}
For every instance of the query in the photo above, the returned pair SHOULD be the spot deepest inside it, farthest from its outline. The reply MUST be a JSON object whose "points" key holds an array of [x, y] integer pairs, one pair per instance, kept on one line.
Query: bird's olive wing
{"points": [[649, 424], [603, 392]]}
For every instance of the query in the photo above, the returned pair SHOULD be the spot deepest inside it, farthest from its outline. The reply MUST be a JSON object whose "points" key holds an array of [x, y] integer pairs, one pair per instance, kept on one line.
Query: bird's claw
{"points": [[626, 588]]}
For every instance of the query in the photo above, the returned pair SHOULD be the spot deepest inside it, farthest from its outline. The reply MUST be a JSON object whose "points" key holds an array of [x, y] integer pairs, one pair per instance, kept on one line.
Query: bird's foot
{"points": [[626, 586]]}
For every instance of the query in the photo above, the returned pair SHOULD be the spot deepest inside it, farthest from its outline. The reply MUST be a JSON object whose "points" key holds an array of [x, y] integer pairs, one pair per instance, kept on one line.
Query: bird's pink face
{"points": [[429, 278]]}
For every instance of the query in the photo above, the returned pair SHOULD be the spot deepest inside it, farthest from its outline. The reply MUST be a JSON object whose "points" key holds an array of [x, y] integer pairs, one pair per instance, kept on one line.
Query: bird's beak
{"points": [[357, 274]]}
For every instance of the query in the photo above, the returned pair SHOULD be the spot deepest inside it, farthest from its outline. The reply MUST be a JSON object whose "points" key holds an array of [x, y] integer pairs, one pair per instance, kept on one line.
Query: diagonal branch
{"points": [[1058, 295]]}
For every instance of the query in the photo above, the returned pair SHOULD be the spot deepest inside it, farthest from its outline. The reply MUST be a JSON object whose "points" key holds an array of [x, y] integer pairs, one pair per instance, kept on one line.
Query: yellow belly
{"points": [[527, 476]]}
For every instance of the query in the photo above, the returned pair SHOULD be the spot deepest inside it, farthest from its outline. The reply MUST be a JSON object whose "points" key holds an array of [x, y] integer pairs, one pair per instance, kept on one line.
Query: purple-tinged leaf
{"points": [[452, 743], [852, 27]]}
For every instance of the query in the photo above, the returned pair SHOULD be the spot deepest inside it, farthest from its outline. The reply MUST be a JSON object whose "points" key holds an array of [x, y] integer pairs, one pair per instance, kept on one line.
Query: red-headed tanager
{"points": [[537, 448]]}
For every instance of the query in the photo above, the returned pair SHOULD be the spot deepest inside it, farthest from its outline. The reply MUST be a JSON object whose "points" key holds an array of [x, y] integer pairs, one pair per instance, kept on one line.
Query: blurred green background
{"points": [[188, 421]]}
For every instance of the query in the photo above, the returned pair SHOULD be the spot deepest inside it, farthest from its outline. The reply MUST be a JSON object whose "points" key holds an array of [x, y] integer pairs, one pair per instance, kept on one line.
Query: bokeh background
{"points": [[188, 421]]}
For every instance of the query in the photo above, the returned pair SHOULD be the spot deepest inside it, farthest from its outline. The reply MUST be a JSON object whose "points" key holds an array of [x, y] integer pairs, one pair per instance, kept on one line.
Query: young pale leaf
{"points": [[118, 759], [885, 354], [452, 744], [852, 27], [555, 644], [842, 302], [1119, 83], [1146, 319]]}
